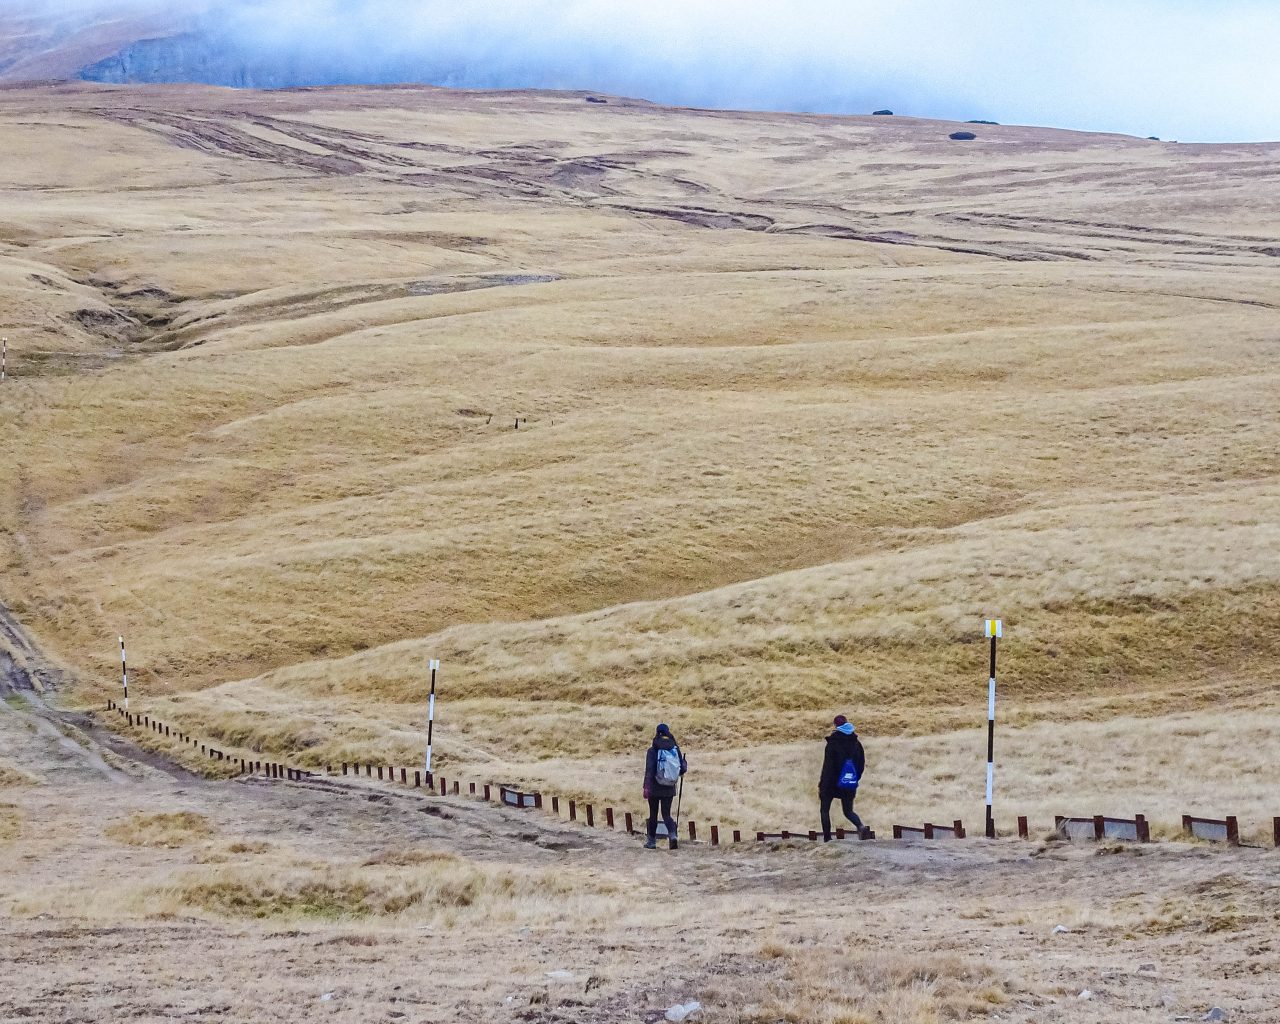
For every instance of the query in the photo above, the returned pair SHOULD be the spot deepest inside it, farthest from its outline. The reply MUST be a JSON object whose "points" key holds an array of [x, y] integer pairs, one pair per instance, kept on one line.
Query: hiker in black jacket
{"points": [[657, 790], [842, 768]]}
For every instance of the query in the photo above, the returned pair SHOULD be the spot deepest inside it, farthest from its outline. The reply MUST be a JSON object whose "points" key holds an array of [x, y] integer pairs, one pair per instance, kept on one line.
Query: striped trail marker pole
{"points": [[431, 711], [124, 675], [995, 630], [4, 361]]}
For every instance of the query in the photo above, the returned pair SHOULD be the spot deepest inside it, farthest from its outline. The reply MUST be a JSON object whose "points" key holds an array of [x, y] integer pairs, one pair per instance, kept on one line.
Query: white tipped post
{"points": [[431, 710], [124, 675], [994, 630], [4, 362]]}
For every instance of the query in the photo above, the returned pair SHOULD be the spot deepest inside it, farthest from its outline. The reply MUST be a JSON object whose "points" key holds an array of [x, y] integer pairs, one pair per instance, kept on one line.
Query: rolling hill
{"points": [[799, 400]]}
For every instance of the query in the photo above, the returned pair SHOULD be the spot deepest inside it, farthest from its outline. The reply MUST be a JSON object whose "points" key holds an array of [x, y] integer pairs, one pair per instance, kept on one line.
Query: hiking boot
{"points": [[675, 843], [651, 843], [865, 832]]}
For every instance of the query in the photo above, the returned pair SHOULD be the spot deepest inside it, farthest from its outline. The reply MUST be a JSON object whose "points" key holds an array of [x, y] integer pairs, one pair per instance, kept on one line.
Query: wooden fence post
{"points": [[715, 835]]}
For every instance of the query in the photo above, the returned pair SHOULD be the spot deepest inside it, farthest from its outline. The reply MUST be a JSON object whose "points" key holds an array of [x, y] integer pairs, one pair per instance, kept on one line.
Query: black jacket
{"points": [[840, 748], [651, 766]]}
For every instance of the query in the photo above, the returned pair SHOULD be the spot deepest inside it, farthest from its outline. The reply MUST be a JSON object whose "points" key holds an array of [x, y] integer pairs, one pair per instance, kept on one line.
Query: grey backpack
{"points": [[667, 770]]}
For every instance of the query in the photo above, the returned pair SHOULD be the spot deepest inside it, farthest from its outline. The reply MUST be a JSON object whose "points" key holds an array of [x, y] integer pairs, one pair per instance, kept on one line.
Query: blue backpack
{"points": [[847, 781]]}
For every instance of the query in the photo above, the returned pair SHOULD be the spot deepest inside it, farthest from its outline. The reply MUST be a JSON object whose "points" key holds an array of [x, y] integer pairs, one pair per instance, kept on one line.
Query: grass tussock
{"points": [[10, 822], [824, 984], [179, 828], [12, 777], [237, 850], [422, 888]]}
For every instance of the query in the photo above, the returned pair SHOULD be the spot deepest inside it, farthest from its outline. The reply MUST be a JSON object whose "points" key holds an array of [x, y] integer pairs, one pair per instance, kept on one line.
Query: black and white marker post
{"points": [[124, 675], [995, 630], [431, 711], [4, 361]]}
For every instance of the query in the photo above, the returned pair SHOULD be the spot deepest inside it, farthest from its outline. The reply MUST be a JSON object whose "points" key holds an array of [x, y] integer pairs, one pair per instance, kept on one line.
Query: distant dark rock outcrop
{"points": [[962, 136], [882, 113], [215, 57]]}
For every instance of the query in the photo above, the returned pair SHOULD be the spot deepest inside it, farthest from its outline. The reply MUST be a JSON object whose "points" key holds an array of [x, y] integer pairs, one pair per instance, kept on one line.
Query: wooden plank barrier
{"points": [[1134, 830], [515, 798], [1226, 830]]}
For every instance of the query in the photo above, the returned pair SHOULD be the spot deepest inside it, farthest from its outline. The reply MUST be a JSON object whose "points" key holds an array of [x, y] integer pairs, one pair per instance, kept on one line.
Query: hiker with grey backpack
{"points": [[664, 768], [842, 768]]}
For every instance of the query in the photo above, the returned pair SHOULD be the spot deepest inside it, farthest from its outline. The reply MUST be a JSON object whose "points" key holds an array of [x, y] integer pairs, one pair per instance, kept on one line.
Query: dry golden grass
{"points": [[10, 822], [11, 776], [177, 829], [440, 887], [822, 983], [806, 398]]}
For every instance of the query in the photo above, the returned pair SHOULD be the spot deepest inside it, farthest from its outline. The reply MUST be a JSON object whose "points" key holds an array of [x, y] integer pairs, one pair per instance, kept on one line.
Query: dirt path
{"points": [[765, 932]]}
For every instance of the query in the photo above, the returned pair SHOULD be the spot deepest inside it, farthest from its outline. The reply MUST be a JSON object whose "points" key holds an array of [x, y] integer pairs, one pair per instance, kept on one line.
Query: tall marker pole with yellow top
{"points": [[995, 630]]}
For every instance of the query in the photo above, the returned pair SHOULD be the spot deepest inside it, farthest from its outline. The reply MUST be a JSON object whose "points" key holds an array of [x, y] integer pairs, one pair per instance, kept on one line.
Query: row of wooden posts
{"points": [[271, 769], [1136, 829]]}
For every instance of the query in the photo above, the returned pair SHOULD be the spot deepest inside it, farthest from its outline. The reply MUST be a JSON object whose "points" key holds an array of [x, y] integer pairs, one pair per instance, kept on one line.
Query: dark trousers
{"points": [[661, 804], [846, 805]]}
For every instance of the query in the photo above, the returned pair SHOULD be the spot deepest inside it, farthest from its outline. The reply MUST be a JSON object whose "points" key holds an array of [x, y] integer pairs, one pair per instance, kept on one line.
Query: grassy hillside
{"points": [[801, 399]]}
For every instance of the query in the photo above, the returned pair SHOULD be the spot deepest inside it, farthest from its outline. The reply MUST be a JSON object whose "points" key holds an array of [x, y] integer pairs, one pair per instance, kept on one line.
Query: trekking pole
{"points": [[679, 801]]}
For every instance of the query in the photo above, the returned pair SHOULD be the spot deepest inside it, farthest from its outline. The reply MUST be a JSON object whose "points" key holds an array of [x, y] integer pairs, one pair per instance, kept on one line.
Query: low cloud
{"points": [[1175, 68]]}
